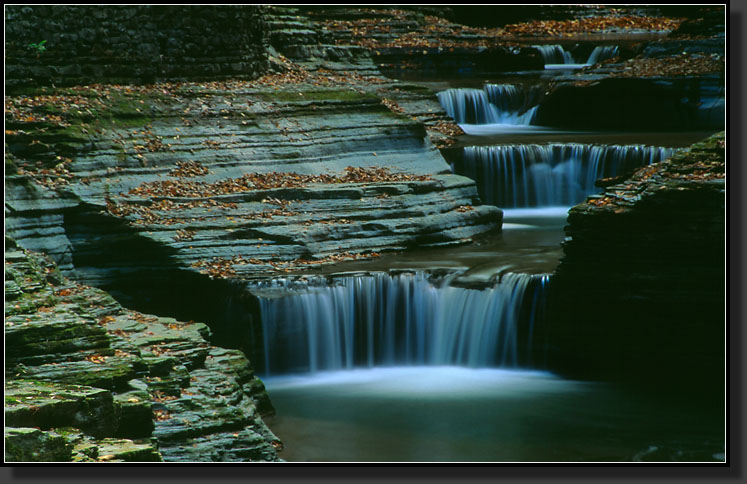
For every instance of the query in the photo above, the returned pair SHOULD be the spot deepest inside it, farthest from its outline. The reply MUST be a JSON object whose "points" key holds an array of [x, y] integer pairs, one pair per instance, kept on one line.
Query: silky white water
{"points": [[405, 319], [552, 175], [494, 104], [498, 108], [556, 57]]}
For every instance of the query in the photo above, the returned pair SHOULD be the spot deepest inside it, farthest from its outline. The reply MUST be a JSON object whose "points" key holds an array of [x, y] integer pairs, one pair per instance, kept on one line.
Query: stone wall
{"points": [[137, 43]]}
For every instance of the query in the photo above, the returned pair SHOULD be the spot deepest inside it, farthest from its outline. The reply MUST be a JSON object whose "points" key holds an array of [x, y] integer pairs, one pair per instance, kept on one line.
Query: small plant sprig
{"points": [[39, 48]]}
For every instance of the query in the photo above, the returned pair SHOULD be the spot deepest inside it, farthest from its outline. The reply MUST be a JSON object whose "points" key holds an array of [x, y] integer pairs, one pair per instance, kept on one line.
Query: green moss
{"points": [[121, 154], [70, 433], [10, 167], [288, 156], [112, 109], [29, 302], [397, 116], [34, 445], [414, 88]]}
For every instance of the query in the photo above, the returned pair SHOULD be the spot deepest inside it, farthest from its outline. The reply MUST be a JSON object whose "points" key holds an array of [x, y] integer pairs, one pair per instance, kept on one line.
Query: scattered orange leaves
{"points": [[161, 415], [677, 65], [98, 359], [587, 25], [187, 169], [106, 319]]}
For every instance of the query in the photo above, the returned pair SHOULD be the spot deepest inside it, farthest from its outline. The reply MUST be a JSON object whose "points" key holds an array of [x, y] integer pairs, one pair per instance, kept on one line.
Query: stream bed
{"points": [[348, 405]]}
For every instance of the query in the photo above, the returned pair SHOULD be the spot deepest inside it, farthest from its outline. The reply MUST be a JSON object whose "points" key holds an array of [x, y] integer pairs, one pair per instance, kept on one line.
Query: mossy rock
{"points": [[47, 405], [124, 450], [108, 449], [23, 444], [112, 373], [135, 414], [57, 333], [231, 362]]}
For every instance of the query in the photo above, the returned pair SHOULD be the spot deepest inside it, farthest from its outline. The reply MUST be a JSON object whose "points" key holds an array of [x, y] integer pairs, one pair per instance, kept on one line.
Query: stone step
{"points": [[284, 37], [293, 24]]}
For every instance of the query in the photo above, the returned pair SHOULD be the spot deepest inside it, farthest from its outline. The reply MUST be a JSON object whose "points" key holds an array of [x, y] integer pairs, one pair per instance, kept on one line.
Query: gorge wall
{"points": [[87, 380], [639, 294], [67, 45], [168, 154]]}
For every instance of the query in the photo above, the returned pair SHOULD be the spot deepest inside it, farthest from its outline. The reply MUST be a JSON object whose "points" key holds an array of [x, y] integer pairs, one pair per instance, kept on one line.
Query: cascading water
{"points": [[601, 53], [556, 57], [513, 176], [406, 319], [555, 54], [494, 104]]}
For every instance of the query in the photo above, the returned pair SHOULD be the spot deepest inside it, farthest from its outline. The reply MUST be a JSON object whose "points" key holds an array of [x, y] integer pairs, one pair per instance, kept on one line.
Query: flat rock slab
{"points": [[123, 450]]}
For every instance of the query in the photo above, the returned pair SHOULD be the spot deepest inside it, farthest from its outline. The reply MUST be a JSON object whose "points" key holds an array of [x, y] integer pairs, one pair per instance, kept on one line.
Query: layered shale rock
{"points": [[425, 43], [230, 179], [639, 293], [87, 380]]}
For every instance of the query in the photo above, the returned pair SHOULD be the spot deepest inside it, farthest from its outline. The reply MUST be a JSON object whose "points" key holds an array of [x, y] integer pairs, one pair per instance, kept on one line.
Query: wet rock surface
{"points": [[89, 381]]}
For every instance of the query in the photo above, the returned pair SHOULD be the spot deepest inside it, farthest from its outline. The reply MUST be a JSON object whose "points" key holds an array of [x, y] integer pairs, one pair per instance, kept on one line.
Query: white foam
{"points": [[535, 212], [488, 129], [555, 67]]}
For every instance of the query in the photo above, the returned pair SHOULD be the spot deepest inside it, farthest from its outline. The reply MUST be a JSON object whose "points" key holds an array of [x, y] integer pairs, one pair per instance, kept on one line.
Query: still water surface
{"points": [[453, 414]]}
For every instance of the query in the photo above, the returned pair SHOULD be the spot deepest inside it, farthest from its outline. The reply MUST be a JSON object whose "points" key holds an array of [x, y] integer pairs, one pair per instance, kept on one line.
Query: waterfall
{"points": [[601, 53], [405, 319], [555, 54], [512, 176], [494, 104]]}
